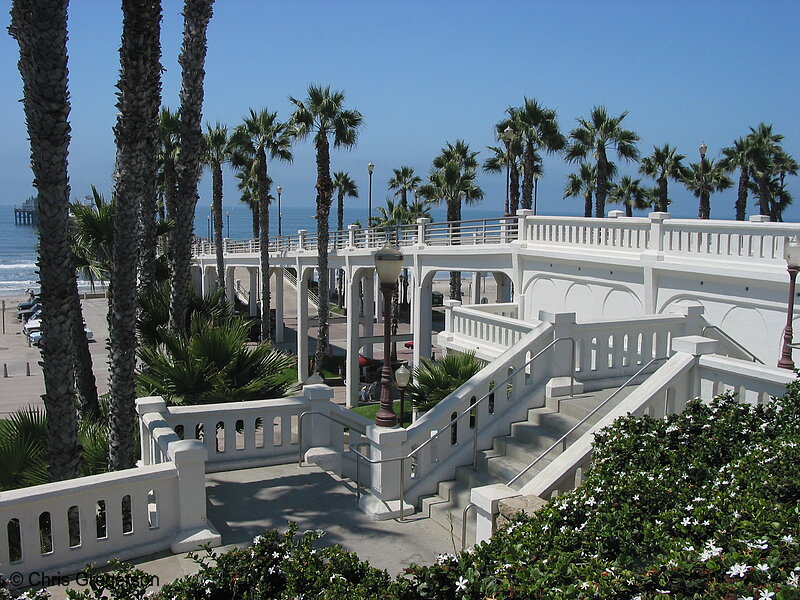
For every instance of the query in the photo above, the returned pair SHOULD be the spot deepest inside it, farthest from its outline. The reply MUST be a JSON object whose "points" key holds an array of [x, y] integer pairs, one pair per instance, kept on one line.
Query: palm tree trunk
{"points": [[587, 205], [763, 194], [263, 238], [454, 214], [40, 29], [741, 196], [138, 118], [85, 382], [662, 194], [324, 196], [151, 95], [254, 215], [216, 185], [514, 187], [602, 184], [196, 14], [527, 176]]}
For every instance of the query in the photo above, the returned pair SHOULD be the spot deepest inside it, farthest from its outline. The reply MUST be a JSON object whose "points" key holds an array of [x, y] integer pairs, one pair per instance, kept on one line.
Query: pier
{"points": [[27, 214]]}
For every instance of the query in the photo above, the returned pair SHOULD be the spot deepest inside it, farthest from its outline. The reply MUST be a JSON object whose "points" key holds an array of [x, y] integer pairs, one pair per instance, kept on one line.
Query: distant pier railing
{"points": [[26, 214]]}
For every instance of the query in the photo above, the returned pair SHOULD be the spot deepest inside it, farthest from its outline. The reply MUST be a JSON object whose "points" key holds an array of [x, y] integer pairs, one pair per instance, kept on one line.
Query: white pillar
{"points": [[352, 379], [230, 284], [383, 502], [302, 325], [368, 285], [423, 322], [278, 299], [477, 279], [503, 284]]}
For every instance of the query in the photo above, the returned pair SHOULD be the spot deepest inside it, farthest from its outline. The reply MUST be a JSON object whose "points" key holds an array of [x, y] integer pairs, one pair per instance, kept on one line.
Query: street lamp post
{"points": [[388, 263], [704, 208], [228, 214], [791, 252], [209, 228], [535, 192], [402, 376], [508, 135], [370, 168], [280, 214]]}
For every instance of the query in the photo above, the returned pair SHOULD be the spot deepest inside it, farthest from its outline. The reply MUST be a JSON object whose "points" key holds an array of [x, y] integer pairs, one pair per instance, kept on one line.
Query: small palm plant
{"points": [[435, 380]]}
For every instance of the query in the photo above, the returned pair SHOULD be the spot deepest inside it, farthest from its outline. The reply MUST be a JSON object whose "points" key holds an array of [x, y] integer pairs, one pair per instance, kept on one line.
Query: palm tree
{"points": [[496, 163], [136, 123], [393, 214], [40, 29], [739, 156], [595, 136], [582, 183], [217, 152], [404, 181], [344, 185], [169, 124], [248, 194], [452, 181], [538, 129], [323, 114], [260, 137], [196, 15], [630, 193], [702, 180], [434, 381], [661, 165]]}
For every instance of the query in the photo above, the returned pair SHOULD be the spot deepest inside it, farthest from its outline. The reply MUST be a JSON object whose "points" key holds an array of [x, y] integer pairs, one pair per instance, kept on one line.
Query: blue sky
{"points": [[424, 73]]}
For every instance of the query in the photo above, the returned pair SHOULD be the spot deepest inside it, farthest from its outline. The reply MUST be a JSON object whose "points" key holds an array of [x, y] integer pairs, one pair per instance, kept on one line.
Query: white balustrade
{"points": [[489, 329]]}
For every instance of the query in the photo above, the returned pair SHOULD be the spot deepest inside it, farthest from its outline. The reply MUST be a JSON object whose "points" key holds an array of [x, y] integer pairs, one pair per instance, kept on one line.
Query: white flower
{"points": [[758, 544], [738, 570], [257, 540], [765, 595], [793, 580], [762, 567], [636, 496], [336, 576], [276, 554], [591, 501], [586, 585], [461, 584], [662, 591], [442, 558], [746, 598], [788, 540]]}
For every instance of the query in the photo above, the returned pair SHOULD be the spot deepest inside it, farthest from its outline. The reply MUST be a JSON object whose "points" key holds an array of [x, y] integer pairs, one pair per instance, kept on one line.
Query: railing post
{"points": [[656, 243], [384, 499], [616, 214], [693, 314], [351, 235], [486, 499], [422, 223], [194, 530], [449, 317], [522, 227], [563, 327], [696, 345], [505, 229], [317, 429], [150, 404], [301, 239]]}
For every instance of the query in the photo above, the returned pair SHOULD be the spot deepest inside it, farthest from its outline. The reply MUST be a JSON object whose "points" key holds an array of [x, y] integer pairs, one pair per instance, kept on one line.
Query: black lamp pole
{"points": [[370, 168]]}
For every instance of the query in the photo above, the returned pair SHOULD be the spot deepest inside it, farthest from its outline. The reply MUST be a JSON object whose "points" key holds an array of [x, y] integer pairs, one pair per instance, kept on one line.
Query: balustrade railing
{"points": [[487, 325]]}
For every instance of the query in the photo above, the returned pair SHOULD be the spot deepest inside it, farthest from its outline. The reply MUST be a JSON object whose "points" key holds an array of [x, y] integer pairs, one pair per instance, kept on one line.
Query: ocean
{"points": [[18, 242]]}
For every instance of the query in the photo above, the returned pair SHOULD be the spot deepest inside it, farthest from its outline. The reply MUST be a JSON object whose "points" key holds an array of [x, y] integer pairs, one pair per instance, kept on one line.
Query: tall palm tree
{"points": [[765, 144], [217, 153], [452, 181], [196, 15], [596, 136], [496, 163], [261, 137], [703, 180], [40, 29], [739, 156], [137, 122], [583, 183], [343, 185], [323, 114], [393, 214], [663, 164], [247, 185], [631, 194], [538, 129], [169, 124], [404, 180]]}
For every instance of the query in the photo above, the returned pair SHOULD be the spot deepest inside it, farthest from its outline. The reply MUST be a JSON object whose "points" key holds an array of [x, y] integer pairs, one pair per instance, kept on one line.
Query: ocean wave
{"points": [[25, 266]]}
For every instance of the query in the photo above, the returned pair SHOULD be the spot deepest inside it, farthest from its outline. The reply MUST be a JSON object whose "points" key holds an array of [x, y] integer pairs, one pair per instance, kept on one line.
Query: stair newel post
{"points": [[351, 236], [563, 355], [386, 497], [422, 222]]}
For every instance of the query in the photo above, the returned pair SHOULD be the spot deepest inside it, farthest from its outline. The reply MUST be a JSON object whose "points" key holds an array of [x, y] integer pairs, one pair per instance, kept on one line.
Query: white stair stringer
{"points": [[510, 454]]}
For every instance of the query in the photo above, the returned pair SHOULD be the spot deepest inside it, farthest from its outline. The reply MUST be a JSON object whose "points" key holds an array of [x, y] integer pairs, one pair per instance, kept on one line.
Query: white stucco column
{"points": [[302, 324], [368, 285], [423, 322], [278, 299], [503, 284], [253, 290], [230, 284], [477, 280], [352, 379], [194, 530], [384, 499]]}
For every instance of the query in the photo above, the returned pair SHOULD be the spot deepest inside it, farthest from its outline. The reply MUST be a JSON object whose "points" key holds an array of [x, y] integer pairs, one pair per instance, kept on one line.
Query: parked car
{"points": [[34, 322], [35, 336], [437, 298], [25, 313]]}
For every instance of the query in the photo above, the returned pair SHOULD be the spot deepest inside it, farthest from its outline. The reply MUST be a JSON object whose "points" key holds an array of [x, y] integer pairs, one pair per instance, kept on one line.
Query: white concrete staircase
{"points": [[510, 454]]}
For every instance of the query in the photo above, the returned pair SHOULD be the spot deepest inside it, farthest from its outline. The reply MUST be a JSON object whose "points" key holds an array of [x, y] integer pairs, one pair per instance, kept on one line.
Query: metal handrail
{"points": [[464, 524], [564, 437], [321, 414], [733, 341], [468, 410]]}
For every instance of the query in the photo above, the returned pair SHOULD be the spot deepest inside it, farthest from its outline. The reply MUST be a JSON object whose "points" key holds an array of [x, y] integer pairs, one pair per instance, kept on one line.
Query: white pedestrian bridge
{"points": [[661, 309]]}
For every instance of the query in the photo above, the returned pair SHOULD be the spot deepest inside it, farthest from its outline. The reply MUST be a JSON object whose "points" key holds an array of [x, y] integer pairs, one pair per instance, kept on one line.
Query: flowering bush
{"points": [[705, 504]]}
